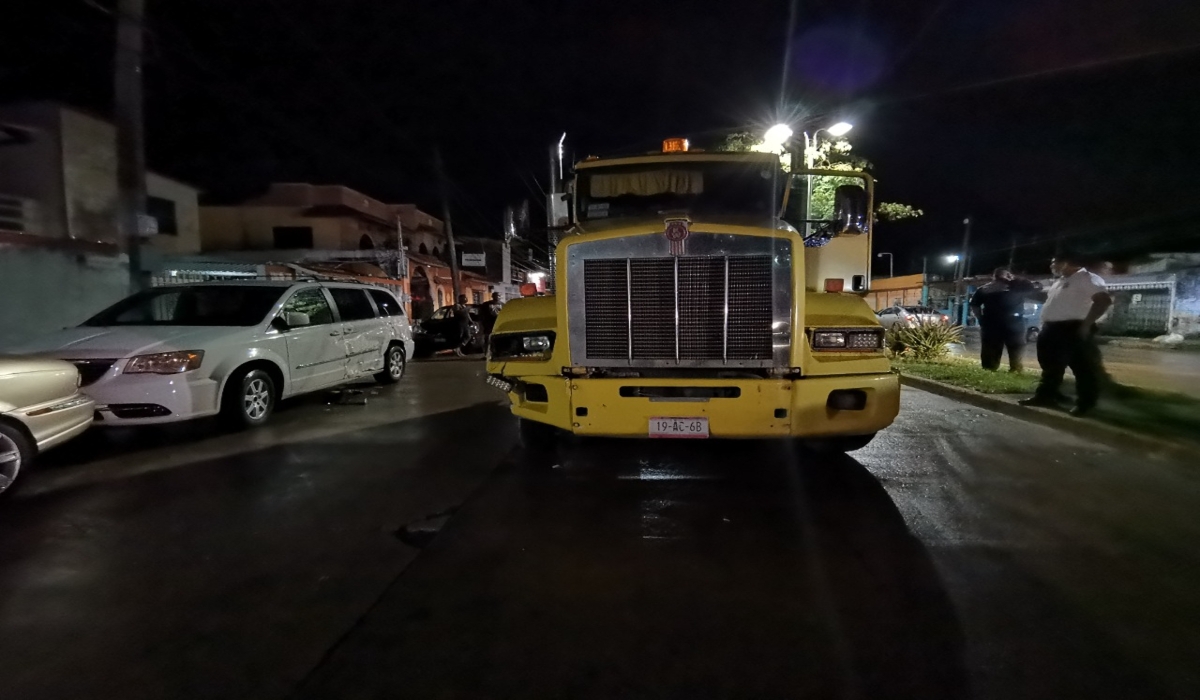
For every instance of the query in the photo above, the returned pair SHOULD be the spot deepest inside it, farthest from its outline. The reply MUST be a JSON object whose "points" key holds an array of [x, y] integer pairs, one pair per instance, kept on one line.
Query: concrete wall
{"points": [[251, 228], [1186, 320], [32, 171], [89, 164], [187, 216], [887, 291], [47, 290]]}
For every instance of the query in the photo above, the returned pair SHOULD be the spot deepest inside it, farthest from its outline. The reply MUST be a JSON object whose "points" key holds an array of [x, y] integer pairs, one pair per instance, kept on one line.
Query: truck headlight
{"points": [[534, 345], [165, 362], [829, 339], [537, 344], [866, 340]]}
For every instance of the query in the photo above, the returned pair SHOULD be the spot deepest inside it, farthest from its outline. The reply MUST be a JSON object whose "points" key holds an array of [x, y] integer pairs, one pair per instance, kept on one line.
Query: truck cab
{"points": [[703, 295]]}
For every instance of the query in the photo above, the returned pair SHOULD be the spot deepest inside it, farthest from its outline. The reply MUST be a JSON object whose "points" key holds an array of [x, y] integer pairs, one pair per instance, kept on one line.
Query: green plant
{"points": [[923, 341]]}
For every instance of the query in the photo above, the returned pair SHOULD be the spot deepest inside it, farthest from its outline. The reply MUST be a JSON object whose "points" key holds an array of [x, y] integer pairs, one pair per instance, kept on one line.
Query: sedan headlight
{"points": [[865, 340], [535, 345], [165, 362]]}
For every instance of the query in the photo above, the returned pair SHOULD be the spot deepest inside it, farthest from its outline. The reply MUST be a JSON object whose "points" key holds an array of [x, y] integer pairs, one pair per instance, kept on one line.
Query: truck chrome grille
{"points": [[674, 309], [607, 308]]}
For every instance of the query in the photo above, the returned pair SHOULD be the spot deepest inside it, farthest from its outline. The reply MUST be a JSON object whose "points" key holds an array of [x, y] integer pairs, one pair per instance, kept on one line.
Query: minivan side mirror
{"points": [[290, 320], [850, 209]]}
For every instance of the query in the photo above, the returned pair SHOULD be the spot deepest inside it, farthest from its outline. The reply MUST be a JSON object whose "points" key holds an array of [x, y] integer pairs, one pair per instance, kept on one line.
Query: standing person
{"points": [[1068, 337], [466, 325], [491, 311], [1000, 307]]}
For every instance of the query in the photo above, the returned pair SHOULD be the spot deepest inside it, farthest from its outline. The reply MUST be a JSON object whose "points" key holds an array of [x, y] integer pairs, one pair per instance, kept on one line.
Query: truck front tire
{"points": [[535, 436], [839, 444]]}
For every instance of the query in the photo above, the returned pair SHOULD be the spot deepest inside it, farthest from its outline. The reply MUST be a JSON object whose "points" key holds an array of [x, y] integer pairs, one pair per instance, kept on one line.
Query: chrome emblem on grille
{"points": [[677, 232]]}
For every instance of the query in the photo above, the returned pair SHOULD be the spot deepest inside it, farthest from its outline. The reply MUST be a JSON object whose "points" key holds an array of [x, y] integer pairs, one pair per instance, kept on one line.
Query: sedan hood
{"points": [[115, 342], [24, 364]]}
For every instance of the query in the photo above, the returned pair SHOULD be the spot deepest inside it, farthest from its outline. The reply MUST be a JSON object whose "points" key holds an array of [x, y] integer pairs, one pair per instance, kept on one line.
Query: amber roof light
{"points": [[675, 145]]}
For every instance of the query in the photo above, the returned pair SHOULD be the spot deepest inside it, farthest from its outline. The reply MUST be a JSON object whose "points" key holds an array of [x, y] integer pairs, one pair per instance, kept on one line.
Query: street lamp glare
{"points": [[777, 135], [840, 129], [952, 258]]}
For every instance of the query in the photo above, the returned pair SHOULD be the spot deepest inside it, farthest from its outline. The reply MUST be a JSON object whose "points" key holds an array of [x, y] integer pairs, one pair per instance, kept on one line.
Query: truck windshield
{"points": [[651, 190], [224, 305]]}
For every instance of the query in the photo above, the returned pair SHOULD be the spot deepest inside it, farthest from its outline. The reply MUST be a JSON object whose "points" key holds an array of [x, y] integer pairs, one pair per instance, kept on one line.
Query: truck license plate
{"points": [[679, 427]]}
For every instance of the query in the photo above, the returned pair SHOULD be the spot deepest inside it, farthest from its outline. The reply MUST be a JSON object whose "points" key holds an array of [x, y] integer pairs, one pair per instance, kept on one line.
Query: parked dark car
{"points": [[443, 331]]}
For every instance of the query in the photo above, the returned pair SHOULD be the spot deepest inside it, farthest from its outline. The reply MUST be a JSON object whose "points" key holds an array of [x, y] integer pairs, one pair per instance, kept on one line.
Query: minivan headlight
{"points": [[165, 362]]}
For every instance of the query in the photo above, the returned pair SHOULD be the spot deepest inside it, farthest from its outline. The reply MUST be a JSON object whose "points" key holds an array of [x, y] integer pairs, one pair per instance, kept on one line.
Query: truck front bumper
{"points": [[739, 408]]}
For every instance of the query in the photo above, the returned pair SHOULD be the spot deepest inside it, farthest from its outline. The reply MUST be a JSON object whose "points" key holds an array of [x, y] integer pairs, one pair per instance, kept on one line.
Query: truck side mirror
{"points": [[850, 209]]}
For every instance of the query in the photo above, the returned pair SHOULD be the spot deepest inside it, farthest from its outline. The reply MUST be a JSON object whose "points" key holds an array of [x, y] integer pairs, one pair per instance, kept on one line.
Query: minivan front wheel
{"points": [[249, 399], [394, 364]]}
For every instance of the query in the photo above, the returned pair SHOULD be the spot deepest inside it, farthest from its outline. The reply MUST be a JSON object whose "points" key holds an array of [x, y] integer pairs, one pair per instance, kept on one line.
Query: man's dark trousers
{"points": [[996, 337], [1061, 345]]}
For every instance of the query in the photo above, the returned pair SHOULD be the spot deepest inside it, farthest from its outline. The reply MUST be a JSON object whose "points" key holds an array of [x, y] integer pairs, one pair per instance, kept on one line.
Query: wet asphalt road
{"points": [[962, 554]]}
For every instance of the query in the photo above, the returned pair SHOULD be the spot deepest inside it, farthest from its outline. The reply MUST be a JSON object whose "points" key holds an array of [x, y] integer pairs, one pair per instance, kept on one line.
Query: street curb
{"points": [[1081, 427]]}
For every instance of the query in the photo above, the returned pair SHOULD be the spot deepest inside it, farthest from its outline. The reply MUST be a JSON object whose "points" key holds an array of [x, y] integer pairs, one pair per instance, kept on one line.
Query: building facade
{"points": [[60, 181], [335, 225]]}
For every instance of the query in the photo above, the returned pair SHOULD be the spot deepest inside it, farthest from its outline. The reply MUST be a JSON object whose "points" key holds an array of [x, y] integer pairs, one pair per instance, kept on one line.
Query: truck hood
{"points": [[115, 342]]}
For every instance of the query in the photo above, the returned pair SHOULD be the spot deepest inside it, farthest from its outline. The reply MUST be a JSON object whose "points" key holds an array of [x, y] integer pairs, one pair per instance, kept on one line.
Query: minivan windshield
{"points": [[223, 305], [650, 190]]}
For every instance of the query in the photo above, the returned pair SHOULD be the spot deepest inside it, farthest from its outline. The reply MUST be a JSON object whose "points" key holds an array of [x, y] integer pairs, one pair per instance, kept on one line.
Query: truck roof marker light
{"points": [[675, 145], [834, 285]]}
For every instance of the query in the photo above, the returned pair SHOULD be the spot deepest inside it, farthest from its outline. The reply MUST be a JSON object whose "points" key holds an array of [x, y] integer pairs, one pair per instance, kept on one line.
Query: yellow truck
{"points": [[703, 294]]}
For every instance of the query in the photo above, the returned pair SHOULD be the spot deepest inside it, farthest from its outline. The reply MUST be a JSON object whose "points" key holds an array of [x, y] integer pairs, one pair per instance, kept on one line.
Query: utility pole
{"points": [[131, 151], [924, 280], [443, 183], [1012, 252], [960, 287]]}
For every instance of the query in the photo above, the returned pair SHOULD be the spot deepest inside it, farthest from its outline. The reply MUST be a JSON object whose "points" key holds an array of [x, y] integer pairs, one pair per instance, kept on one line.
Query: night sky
{"points": [[1045, 120]]}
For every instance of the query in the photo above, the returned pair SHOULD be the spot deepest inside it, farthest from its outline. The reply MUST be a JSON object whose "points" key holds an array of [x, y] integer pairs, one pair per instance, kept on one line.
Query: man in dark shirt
{"points": [[1000, 307], [466, 326]]}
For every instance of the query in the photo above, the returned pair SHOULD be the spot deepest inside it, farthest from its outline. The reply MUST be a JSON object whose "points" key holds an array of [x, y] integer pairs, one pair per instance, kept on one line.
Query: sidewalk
{"points": [[1154, 420]]}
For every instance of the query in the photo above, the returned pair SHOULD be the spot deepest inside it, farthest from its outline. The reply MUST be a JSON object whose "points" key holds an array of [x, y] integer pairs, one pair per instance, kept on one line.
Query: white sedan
{"points": [[232, 348]]}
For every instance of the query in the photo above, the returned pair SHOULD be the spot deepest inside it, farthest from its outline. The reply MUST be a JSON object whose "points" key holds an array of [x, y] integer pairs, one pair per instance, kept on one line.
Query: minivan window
{"points": [[312, 302], [191, 305], [388, 306], [352, 304]]}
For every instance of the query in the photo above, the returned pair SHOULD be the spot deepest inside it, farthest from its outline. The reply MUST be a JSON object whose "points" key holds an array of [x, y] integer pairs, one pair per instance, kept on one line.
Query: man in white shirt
{"points": [[1068, 335]]}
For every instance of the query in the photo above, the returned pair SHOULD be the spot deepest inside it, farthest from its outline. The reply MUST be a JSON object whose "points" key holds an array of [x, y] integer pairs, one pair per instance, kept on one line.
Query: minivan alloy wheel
{"points": [[256, 400], [396, 362]]}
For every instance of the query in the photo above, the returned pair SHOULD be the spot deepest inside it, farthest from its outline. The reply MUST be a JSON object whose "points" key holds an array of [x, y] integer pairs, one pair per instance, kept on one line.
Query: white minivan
{"points": [[186, 351]]}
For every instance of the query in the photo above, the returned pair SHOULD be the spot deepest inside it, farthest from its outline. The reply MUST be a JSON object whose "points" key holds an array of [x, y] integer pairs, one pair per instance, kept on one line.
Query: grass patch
{"points": [[968, 374]]}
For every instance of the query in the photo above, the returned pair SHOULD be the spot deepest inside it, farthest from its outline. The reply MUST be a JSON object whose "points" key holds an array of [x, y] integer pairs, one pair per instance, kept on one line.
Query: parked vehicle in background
{"points": [[232, 348], [444, 331], [911, 316], [40, 408], [1033, 321]]}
